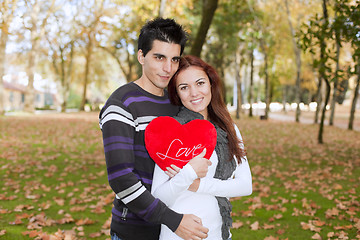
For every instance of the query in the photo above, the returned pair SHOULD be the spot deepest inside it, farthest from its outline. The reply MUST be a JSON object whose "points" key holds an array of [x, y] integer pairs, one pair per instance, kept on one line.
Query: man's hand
{"points": [[200, 164], [191, 228]]}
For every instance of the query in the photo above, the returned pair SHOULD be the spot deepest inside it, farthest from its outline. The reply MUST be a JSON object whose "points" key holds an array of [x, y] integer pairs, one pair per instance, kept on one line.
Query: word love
{"points": [[192, 151], [168, 142]]}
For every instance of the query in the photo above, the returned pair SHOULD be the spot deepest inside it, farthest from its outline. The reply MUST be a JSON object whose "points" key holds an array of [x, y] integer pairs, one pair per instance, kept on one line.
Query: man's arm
{"points": [[190, 227], [118, 128]]}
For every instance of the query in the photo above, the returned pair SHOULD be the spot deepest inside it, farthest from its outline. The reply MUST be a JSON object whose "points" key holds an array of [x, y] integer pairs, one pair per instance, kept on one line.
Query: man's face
{"points": [[159, 65]]}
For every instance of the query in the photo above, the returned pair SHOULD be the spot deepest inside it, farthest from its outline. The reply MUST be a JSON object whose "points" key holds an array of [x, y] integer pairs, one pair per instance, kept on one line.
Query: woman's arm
{"points": [[167, 190], [240, 185]]}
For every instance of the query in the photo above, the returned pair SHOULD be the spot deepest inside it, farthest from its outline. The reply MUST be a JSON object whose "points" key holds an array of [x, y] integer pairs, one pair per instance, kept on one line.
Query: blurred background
{"points": [[273, 56]]}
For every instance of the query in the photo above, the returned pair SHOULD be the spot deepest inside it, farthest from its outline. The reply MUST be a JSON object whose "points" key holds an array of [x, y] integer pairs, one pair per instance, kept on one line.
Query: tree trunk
{"points": [[298, 64], [208, 11], [267, 88], [3, 41], [32, 60], [284, 98], [65, 74], [238, 63], [251, 83], [37, 33], [318, 100], [6, 19], [297, 93], [322, 72], [321, 127], [162, 8], [355, 98], [333, 100], [87, 70]]}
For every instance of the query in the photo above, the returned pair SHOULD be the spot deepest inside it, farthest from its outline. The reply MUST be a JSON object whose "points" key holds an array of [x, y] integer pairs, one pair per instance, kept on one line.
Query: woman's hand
{"points": [[195, 185], [172, 170]]}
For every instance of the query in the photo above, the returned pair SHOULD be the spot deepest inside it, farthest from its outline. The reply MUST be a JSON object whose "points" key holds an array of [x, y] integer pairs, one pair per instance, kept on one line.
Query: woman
{"points": [[196, 87]]}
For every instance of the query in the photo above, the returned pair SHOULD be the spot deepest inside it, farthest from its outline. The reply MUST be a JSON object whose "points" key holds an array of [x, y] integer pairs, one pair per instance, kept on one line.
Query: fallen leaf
{"points": [[316, 236], [271, 238], [85, 221], [94, 235], [255, 226], [237, 224], [267, 226]]}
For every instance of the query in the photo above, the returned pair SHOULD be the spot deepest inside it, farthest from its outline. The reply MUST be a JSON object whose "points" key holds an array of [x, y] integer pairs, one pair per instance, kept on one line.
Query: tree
{"points": [[92, 26], [62, 48], [264, 50], [208, 11], [337, 30], [317, 35], [239, 61], [298, 63], [121, 43], [323, 59], [35, 10], [251, 89], [352, 34], [7, 9]]}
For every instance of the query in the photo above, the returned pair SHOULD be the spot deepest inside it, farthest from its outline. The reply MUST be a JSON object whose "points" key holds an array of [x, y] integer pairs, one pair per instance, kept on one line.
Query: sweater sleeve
{"points": [[168, 190], [118, 129], [239, 185]]}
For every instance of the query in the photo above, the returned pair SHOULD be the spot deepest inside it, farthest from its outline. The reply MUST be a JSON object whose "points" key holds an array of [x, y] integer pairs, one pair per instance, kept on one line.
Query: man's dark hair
{"points": [[165, 30]]}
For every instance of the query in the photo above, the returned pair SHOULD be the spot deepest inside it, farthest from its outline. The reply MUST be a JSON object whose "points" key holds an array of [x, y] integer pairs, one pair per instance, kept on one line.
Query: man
{"points": [[136, 213]]}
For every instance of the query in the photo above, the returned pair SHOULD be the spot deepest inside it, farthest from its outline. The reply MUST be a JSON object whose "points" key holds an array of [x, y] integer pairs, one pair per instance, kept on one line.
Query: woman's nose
{"points": [[193, 91]]}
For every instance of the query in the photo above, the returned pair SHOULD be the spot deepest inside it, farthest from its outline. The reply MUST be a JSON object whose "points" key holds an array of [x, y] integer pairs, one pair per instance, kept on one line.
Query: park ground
{"points": [[54, 180]]}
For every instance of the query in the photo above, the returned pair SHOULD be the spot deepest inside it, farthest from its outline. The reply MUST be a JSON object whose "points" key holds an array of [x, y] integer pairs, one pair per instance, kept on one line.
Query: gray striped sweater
{"points": [[136, 213]]}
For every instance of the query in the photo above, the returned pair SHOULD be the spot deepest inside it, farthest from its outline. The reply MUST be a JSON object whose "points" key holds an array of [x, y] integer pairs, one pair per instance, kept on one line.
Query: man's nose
{"points": [[167, 66]]}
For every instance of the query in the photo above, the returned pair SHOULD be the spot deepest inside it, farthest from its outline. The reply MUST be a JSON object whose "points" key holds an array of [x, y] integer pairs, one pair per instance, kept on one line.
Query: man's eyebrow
{"points": [[159, 55]]}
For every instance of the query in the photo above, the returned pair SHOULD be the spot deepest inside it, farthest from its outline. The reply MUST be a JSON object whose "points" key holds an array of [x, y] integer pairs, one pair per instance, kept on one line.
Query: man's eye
{"points": [[176, 60], [160, 57]]}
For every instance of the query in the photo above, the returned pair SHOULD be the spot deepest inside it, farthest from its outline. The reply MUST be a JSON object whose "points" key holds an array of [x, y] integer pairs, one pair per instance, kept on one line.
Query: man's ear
{"points": [[140, 57]]}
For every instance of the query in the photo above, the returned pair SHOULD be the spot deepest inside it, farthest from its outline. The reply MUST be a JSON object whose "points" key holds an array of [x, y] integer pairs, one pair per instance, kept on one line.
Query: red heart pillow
{"points": [[168, 142]]}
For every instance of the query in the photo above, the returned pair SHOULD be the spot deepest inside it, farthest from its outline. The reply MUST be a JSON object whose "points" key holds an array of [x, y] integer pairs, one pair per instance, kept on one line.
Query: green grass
{"points": [[54, 180]]}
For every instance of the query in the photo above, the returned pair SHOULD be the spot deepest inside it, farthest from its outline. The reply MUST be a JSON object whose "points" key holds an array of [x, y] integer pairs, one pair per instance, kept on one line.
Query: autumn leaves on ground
{"points": [[54, 181]]}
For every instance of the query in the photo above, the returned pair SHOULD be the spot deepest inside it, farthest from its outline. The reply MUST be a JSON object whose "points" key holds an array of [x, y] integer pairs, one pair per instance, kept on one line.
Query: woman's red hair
{"points": [[217, 110]]}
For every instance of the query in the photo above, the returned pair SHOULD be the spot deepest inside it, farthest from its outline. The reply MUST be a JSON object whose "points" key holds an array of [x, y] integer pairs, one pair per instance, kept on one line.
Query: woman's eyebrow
{"points": [[182, 84]]}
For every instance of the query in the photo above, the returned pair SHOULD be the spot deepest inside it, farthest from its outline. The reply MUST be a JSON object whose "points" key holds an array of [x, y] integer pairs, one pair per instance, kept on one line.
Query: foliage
{"points": [[55, 185], [74, 100]]}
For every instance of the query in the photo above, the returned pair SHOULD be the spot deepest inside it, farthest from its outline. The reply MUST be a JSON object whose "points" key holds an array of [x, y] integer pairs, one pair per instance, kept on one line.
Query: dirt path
{"points": [[341, 120]]}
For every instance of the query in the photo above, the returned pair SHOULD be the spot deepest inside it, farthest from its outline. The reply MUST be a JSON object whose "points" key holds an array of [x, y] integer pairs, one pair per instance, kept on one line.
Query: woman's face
{"points": [[194, 89]]}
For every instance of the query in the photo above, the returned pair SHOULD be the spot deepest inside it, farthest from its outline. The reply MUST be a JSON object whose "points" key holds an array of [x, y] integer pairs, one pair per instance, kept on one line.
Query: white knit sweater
{"points": [[202, 203]]}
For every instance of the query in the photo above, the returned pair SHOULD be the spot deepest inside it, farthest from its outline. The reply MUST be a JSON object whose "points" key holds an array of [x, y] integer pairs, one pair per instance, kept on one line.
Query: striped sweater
{"points": [[136, 213]]}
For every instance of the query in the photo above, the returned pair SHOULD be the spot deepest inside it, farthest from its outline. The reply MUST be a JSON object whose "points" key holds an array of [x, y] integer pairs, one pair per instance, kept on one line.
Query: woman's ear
{"points": [[140, 57]]}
